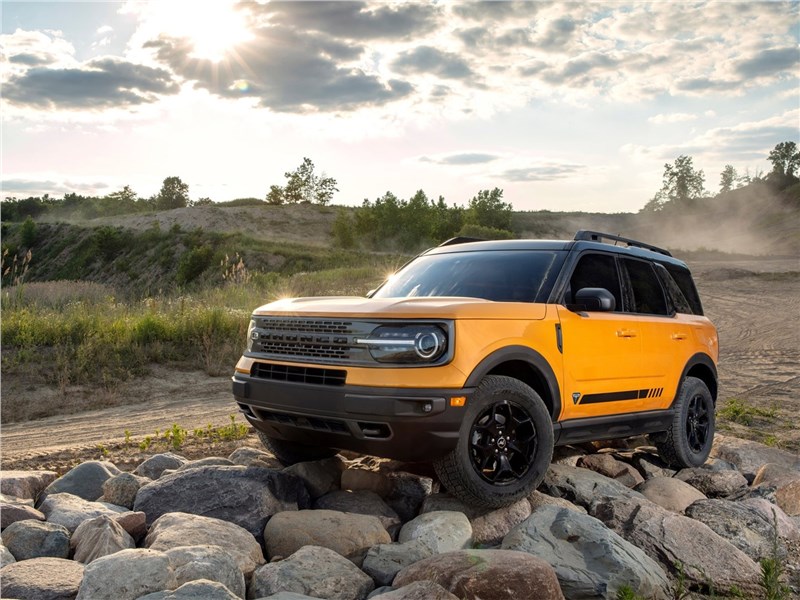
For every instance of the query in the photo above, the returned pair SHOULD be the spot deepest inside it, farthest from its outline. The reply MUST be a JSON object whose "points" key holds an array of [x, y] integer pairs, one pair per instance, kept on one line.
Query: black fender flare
{"points": [[523, 354], [704, 360]]}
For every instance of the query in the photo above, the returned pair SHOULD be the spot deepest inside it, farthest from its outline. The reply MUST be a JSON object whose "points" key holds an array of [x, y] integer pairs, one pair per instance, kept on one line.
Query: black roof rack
{"points": [[460, 240], [596, 236]]}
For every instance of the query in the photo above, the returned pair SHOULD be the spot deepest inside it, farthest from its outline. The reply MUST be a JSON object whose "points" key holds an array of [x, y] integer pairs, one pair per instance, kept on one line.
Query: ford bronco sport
{"points": [[482, 355]]}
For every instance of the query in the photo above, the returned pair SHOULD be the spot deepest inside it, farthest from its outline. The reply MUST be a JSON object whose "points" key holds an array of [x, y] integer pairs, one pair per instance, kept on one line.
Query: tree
{"points": [[275, 195], [489, 210], [28, 232], [174, 194], [785, 159], [681, 184], [727, 179], [303, 185]]}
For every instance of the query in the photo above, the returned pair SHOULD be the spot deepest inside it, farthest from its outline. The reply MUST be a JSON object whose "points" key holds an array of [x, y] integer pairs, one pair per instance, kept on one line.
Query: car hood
{"points": [[403, 308]]}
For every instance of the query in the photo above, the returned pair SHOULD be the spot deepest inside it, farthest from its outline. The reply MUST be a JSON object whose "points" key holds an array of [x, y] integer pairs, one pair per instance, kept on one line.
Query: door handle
{"points": [[626, 333], [679, 336]]}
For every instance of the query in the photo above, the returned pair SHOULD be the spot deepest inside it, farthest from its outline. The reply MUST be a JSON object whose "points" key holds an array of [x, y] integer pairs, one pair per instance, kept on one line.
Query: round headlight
{"points": [[406, 344], [428, 344]]}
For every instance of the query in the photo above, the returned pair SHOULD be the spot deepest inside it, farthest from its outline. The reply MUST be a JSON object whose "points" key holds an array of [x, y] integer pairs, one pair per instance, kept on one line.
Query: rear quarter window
{"points": [[685, 282]]}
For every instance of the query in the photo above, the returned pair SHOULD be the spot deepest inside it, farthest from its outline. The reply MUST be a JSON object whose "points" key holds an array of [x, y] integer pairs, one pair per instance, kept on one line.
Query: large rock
{"points": [[441, 531], [362, 502], [714, 484], [204, 462], [84, 481], [247, 496], [348, 534], [211, 563], [488, 526], [650, 465], [776, 476], [127, 575], [582, 486], [670, 493], [607, 465], [135, 523], [70, 511], [679, 543], [365, 480], [154, 466], [25, 484], [419, 590], [11, 512], [201, 589], [6, 558], [36, 539], [320, 476], [314, 571], [408, 492], [591, 561], [121, 489], [786, 527], [98, 537], [486, 574], [41, 579], [174, 530], [750, 456], [537, 499], [254, 457], [384, 561], [743, 526], [788, 498]]}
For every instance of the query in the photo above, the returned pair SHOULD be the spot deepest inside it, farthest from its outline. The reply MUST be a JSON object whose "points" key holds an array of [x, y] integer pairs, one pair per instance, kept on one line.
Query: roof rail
{"points": [[596, 236], [460, 240]]}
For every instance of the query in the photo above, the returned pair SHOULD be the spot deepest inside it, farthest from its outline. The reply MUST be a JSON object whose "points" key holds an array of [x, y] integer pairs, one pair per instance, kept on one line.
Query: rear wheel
{"points": [[687, 443], [290, 453], [504, 448]]}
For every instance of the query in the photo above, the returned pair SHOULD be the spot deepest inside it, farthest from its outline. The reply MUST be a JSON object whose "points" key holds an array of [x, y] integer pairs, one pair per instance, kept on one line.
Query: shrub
{"points": [[193, 263]]}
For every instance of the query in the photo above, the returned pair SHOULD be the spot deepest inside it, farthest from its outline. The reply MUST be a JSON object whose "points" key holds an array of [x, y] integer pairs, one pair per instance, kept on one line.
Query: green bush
{"points": [[27, 232], [193, 263]]}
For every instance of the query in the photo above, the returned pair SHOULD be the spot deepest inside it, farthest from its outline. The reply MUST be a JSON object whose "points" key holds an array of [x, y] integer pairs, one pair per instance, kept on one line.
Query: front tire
{"points": [[687, 443], [504, 447], [290, 453]]}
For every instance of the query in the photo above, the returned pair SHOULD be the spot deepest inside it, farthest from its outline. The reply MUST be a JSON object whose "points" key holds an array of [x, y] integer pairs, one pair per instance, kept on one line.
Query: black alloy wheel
{"points": [[502, 443], [697, 423]]}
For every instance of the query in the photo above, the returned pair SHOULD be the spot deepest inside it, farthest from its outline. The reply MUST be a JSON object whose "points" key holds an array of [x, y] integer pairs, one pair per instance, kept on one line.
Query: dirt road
{"points": [[755, 305]]}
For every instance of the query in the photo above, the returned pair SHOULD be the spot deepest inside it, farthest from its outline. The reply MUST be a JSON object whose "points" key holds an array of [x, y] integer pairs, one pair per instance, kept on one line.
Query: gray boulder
{"points": [[314, 571], [749, 456], [99, 537], [670, 493], [650, 465], [84, 481], [364, 480], [135, 523], [25, 484], [607, 465], [441, 531], [678, 541], [743, 526], [363, 502], [443, 501], [205, 462], [408, 491], [582, 486], [384, 561], [154, 466], [714, 484], [486, 574], [12, 511], [41, 579], [347, 534], [537, 499], [254, 457], [788, 498], [127, 575], [175, 530], [320, 476], [591, 561], [36, 539], [200, 589], [70, 511], [6, 558], [787, 528], [419, 590], [121, 489], [211, 563], [246, 496], [775, 475], [490, 528]]}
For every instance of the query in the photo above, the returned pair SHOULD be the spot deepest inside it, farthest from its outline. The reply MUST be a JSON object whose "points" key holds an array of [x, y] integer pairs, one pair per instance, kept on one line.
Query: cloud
{"points": [[465, 158], [542, 172], [426, 59], [662, 119], [493, 10], [356, 20], [99, 83], [769, 62], [559, 33], [31, 186], [35, 48], [104, 30]]}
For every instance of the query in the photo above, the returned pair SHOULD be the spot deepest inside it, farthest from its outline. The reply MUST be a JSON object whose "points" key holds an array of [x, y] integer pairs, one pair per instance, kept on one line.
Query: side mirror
{"points": [[595, 300]]}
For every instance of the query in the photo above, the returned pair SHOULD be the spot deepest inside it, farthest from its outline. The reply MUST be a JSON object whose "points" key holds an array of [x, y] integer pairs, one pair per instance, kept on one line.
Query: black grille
{"points": [[305, 338], [310, 375], [306, 325]]}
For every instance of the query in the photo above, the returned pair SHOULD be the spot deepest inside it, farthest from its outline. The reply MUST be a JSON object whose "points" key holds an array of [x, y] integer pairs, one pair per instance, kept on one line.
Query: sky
{"points": [[564, 106]]}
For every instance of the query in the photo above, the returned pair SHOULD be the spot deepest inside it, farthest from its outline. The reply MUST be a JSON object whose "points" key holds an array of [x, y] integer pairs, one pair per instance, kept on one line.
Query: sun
{"points": [[213, 27]]}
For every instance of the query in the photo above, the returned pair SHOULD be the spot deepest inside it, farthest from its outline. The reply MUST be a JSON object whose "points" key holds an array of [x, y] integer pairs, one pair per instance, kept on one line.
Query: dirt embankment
{"points": [[754, 303]]}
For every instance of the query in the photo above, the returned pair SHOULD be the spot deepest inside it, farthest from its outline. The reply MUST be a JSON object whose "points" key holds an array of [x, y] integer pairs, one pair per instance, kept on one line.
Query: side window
{"points": [[595, 271], [684, 280], [679, 301], [648, 296]]}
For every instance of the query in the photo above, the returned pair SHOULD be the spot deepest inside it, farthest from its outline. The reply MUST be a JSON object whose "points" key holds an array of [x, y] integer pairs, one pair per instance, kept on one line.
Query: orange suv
{"points": [[482, 355]]}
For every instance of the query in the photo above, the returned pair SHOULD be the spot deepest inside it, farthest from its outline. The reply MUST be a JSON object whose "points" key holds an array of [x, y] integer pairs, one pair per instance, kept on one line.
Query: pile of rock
{"points": [[245, 527]]}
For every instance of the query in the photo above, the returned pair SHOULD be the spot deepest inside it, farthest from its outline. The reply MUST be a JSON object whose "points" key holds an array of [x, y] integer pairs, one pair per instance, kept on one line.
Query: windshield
{"points": [[498, 275]]}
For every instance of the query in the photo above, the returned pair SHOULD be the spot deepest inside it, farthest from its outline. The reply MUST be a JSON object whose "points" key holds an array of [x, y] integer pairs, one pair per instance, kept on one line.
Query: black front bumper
{"points": [[400, 423]]}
